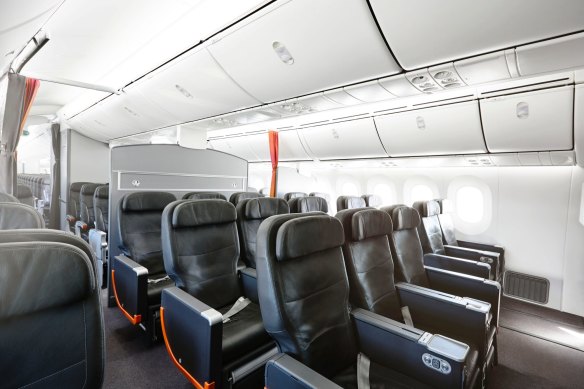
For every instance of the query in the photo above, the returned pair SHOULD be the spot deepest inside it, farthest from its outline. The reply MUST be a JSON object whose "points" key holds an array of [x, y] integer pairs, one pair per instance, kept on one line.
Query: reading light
{"points": [[420, 122], [183, 91], [283, 53], [522, 110]]}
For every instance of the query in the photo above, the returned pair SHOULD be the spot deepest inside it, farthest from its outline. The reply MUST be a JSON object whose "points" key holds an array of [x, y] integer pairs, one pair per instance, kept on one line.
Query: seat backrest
{"points": [[446, 225], [292, 195], [101, 207], [24, 195], [139, 221], [250, 214], [350, 202], [372, 200], [15, 216], [308, 204], [203, 196], [87, 213], [236, 197], [52, 326], [73, 207], [405, 245], [201, 249], [7, 198], [429, 229], [369, 262], [304, 292], [325, 196]]}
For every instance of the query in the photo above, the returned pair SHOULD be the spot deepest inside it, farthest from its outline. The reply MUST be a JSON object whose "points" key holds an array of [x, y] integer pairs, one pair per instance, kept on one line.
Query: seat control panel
{"points": [[436, 363]]}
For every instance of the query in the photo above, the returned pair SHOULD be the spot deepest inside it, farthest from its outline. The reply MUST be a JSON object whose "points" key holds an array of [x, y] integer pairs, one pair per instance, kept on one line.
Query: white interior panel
{"points": [[260, 145], [398, 86], [331, 43], [447, 129], [556, 54], [350, 139], [484, 68], [423, 33], [533, 121], [238, 146], [194, 88], [369, 92], [579, 124], [290, 147]]}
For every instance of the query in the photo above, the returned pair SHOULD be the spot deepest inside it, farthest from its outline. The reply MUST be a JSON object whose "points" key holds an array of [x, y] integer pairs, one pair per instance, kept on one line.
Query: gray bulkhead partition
{"points": [[169, 168]]}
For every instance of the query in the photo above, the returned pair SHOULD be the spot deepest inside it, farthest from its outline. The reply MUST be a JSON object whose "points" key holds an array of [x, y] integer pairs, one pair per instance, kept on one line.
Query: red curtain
{"points": [[274, 144], [30, 91]]}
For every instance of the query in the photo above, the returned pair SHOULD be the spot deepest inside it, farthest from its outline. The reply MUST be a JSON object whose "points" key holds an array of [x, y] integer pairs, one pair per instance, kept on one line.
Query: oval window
{"points": [[349, 189], [386, 193], [421, 193], [470, 204]]}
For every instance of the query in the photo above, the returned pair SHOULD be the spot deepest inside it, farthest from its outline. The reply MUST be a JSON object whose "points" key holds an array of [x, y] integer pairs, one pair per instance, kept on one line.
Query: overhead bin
{"points": [[484, 68], [237, 145], [302, 46], [438, 33], [193, 88], [531, 121], [290, 147], [551, 55], [439, 130], [350, 139]]}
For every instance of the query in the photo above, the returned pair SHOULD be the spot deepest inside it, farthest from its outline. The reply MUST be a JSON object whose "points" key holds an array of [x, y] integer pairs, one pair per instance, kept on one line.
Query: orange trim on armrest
{"points": [[135, 319], [191, 379]]}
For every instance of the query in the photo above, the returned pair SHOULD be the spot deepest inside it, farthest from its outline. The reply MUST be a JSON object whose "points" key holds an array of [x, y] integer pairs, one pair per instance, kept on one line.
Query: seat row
{"points": [[209, 250]]}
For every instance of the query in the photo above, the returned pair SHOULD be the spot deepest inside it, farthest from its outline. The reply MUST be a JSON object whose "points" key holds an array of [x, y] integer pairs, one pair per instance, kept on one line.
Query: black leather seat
{"points": [[304, 299], [308, 204], [372, 200], [73, 206], [86, 219], [431, 238], [201, 250], [250, 214], [203, 196], [325, 196], [409, 260], [449, 238], [101, 207], [139, 275], [7, 198], [292, 195], [18, 216], [370, 269], [350, 202], [236, 197], [24, 195], [52, 337]]}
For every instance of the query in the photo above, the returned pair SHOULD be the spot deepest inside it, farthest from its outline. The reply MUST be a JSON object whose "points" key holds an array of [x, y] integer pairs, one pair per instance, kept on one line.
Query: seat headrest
{"points": [[146, 201], [292, 195], [297, 237], [236, 197], [23, 191], [30, 269], [369, 223], [15, 216], [194, 213], [264, 207], [76, 186], [403, 217], [350, 202], [311, 204], [203, 196], [7, 198], [102, 192], [372, 200], [427, 208], [89, 189]]}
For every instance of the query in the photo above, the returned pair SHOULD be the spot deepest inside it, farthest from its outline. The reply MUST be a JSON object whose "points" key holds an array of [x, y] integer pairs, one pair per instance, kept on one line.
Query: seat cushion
{"points": [[379, 377], [155, 289], [243, 333]]}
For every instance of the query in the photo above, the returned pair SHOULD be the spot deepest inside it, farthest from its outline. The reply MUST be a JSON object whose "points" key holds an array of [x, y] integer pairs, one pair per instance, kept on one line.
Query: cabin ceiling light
{"points": [[183, 91], [283, 53], [420, 123], [522, 110]]}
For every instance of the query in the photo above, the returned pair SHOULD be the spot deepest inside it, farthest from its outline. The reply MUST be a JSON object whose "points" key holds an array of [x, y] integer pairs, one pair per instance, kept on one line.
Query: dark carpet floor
{"points": [[531, 353]]}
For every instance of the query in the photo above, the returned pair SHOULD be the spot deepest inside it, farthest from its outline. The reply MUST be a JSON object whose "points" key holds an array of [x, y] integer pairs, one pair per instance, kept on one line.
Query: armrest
{"points": [[465, 285], [482, 246], [130, 285], [192, 333], [489, 257], [249, 282], [466, 266], [461, 318], [71, 220], [283, 371], [410, 351], [80, 227]]}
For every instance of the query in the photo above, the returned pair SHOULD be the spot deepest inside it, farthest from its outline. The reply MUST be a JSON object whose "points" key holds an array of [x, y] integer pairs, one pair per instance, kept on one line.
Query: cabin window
{"points": [[421, 192], [386, 193], [470, 204], [349, 189]]}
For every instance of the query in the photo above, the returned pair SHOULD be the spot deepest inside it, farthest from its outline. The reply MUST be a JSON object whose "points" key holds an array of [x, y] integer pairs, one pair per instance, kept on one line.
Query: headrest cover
{"points": [[264, 207], [370, 223], [405, 218], [102, 192], [194, 213], [147, 201], [372, 200], [6, 198], [427, 208], [15, 216], [293, 195], [312, 204], [308, 235], [32, 268], [203, 196], [350, 202]]}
